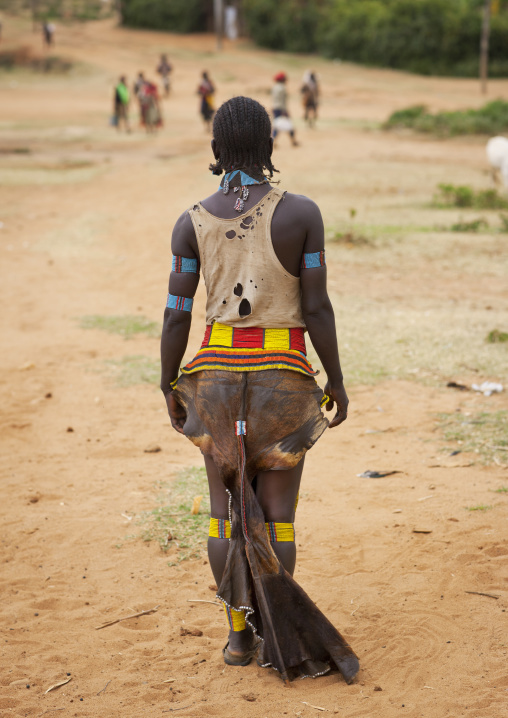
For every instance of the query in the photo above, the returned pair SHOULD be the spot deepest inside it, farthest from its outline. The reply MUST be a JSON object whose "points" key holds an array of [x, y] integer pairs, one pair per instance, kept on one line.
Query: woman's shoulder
{"points": [[300, 205]]}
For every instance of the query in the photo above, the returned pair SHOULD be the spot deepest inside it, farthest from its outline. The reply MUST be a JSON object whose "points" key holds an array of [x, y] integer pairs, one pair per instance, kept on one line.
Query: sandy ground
{"points": [[87, 216]]}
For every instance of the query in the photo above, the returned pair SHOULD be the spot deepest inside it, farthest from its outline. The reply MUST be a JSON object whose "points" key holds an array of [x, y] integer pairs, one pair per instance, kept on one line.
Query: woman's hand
{"points": [[337, 396], [176, 412]]}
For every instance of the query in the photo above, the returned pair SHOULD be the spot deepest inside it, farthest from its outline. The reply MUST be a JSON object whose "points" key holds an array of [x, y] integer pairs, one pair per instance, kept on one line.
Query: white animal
{"points": [[497, 155]]}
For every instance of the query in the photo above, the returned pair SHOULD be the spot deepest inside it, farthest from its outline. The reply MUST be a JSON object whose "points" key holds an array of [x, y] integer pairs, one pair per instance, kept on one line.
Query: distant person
{"points": [[121, 105], [281, 120], [164, 69], [206, 91], [151, 116], [48, 33], [310, 95], [138, 85], [138, 91]]}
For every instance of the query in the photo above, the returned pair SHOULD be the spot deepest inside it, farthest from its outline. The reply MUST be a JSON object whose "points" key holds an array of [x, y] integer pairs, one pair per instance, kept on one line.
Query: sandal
{"points": [[242, 659]]}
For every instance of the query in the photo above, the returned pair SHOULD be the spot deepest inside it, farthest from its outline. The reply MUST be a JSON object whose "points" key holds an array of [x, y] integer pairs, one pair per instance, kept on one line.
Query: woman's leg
{"points": [[277, 492], [240, 635], [219, 509]]}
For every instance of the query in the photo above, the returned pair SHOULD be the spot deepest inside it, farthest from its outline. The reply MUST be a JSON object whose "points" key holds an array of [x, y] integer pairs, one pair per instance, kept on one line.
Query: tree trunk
{"points": [[484, 47]]}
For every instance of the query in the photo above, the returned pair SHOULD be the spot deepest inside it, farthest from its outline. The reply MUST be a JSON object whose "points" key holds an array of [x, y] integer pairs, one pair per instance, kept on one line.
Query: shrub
{"points": [[491, 119], [496, 337], [290, 25], [450, 195], [474, 226], [175, 16]]}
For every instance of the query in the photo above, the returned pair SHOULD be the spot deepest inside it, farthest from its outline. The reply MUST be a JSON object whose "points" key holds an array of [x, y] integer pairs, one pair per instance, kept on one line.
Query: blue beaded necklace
{"points": [[244, 180]]}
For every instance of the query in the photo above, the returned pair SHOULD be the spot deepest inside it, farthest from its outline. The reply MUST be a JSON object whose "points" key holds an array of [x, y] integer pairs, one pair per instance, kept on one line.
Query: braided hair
{"points": [[242, 131]]}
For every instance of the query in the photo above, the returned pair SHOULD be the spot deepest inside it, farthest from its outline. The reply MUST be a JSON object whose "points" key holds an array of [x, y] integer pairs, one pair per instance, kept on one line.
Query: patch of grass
{"points": [[484, 433], [135, 369], [125, 325], [475, 225], [171, 523], [450, 195], [496, 337], [504, 223], [491, 119], [478, 507], [501, 490]]}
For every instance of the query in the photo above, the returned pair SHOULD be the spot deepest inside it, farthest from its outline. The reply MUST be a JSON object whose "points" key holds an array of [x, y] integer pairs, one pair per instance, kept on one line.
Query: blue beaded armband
{"points": [[313, 259], [182, 303], [184, 264]]}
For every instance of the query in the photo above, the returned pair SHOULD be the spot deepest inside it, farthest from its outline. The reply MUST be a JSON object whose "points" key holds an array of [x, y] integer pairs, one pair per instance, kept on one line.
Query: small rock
{"points": [[49, 395], [378, 688], [70, 429], [212, 587], [249, 697], [190, 632], [152, 449]]}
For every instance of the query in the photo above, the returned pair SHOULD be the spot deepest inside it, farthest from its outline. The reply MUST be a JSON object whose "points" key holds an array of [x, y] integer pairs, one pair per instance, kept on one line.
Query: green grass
{"points": [[478, 507], [171, 523], [449, 195], [126, 325], [134, 369], [501, 490], [484, 433], [496, 337], [475, 225], [491, 119]]}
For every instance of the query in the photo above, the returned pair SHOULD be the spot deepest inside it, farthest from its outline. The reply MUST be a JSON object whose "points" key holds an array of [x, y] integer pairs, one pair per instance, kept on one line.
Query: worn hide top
{"points": [[246, 284]]}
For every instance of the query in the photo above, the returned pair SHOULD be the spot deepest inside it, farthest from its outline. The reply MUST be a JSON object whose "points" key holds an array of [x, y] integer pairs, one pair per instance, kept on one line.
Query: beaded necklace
{"points": [[239, 181]]}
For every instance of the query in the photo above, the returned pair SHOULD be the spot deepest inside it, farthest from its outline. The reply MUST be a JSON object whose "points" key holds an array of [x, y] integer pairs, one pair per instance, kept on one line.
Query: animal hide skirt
{"points": [[257, 421]]}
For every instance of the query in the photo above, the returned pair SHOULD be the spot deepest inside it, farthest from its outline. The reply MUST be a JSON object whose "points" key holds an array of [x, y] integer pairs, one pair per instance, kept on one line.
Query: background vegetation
{"points": [[423, 36], [491, 119]]}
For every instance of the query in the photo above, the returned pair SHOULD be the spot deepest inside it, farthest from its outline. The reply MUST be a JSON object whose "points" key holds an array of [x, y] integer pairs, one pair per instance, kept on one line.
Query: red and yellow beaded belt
{"points": [[251, 349]]}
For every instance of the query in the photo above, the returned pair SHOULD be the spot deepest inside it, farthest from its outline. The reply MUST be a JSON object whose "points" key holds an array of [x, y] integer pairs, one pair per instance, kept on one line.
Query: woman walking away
{"points": [[151, 116], [248, 399], [121, 105], [206, 91], [310, 96], [281, 120], [164, 69]]}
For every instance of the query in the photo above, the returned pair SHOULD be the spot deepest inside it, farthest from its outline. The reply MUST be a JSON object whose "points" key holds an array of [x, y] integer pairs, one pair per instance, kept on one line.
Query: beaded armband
{"points": [[184, 264], [182, 303], [313, 259]]}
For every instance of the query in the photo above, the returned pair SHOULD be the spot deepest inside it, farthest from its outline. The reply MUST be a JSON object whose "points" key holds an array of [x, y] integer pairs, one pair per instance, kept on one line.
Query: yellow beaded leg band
{"points": [[280, 532], [236, 619], [220, 528]]}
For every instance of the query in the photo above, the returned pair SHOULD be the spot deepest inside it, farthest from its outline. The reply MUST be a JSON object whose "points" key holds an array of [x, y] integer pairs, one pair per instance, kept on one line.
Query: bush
{"points": [[476, 225], [290, 25], [175, 16], [496, 337], [491, 119]]}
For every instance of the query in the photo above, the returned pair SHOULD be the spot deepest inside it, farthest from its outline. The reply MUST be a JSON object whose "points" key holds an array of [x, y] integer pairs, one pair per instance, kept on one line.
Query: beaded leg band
{"points": [[277, 532]]}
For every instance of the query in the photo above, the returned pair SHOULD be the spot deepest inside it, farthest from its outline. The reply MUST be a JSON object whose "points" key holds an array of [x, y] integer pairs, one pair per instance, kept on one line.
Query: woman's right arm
{"points": [[177, 315], [318, 313]]}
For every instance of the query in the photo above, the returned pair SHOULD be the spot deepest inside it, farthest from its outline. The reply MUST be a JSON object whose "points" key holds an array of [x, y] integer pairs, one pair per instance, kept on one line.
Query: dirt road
{"points": [[86, 217]]}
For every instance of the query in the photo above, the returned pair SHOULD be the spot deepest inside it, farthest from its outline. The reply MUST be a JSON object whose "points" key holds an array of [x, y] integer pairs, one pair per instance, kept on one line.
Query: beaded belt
{"points": [[251, 349]]}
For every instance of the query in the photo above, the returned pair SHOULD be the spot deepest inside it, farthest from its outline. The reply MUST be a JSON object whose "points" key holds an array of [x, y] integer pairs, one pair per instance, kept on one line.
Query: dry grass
{"points": [[171, 523]]}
